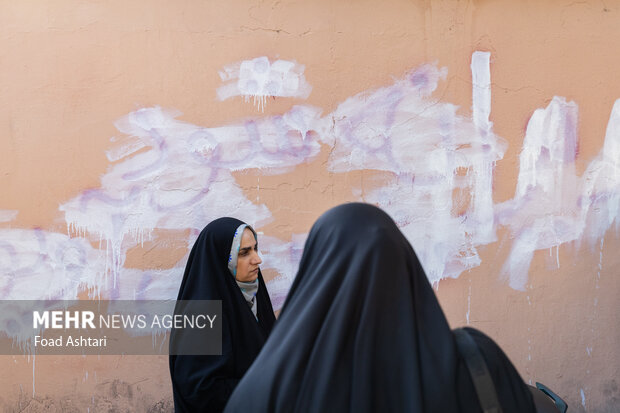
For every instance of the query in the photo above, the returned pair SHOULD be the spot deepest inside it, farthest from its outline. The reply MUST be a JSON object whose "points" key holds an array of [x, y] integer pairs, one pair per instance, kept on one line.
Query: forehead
{"points": [[247, 238]]}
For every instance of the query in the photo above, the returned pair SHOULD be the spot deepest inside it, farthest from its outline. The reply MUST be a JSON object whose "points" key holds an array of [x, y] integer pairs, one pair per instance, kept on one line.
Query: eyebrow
{"points": [[248, 248]]}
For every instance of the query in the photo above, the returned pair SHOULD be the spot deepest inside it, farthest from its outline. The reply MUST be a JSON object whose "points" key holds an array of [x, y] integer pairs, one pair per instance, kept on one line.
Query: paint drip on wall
{"points": [[260, 78]]}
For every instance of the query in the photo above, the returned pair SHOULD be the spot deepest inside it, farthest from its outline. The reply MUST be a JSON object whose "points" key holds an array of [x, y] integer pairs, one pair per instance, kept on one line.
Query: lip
{"points": [[254, 270]]}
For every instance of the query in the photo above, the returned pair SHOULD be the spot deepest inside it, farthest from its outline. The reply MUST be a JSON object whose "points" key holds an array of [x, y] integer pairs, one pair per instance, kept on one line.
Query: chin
{"points": [[249, 278]]}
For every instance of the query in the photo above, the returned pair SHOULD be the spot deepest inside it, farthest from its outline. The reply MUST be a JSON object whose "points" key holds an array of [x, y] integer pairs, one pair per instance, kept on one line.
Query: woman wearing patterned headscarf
{"points": [[223, 265]]}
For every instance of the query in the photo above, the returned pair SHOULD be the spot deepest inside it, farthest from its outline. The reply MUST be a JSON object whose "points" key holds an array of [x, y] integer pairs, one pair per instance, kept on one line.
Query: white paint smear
{"points": [[481, 90], [482, 166], [8, 215], [283, 257], [184, 179], [261, 78], [37, 265], [583, 398], [120, 152], [170, 174], [433, 153], [543, 213], [599, 200], [552, 205]]}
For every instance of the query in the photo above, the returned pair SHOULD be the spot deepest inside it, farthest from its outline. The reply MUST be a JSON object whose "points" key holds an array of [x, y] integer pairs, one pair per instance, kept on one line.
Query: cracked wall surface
{"points": [[487, 130]]}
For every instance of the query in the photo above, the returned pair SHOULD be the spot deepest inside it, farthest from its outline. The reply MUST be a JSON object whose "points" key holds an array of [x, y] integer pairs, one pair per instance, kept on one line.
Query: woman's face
{"points": [[248, 259]]}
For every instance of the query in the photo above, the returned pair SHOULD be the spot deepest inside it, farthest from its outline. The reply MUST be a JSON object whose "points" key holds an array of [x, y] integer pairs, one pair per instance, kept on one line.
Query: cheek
{"points": [[242, 263]]}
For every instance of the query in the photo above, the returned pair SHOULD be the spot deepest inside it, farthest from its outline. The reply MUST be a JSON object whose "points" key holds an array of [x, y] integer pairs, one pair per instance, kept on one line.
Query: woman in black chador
{"points": [[223, 265], [362, 331]]}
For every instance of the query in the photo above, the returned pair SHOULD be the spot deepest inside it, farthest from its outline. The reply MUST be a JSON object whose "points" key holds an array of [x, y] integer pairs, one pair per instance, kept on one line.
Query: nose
{"points": [[256, 260]]}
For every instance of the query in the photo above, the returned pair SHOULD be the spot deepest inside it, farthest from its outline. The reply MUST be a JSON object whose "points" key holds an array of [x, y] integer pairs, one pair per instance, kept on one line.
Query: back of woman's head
{"points": [[354, 243]]}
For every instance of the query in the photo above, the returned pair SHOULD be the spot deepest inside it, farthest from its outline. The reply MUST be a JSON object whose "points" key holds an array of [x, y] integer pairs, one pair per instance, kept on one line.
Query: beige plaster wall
{"points": [[71, 69]]}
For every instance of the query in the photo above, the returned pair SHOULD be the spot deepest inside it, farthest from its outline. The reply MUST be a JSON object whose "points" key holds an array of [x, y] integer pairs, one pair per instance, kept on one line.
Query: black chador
{"points": [[362, 331]]}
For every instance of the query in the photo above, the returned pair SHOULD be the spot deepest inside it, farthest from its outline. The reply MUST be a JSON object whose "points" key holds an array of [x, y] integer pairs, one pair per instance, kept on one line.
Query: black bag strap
{"points": [[478, 370]]}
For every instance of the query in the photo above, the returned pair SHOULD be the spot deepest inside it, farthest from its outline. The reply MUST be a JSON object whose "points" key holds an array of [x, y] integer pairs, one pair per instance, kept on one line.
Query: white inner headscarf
{"points": [[248, 289]]}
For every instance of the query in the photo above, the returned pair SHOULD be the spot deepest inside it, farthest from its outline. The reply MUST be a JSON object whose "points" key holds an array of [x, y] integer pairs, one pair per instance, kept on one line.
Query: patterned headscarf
{"points": [[248, 289]]}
